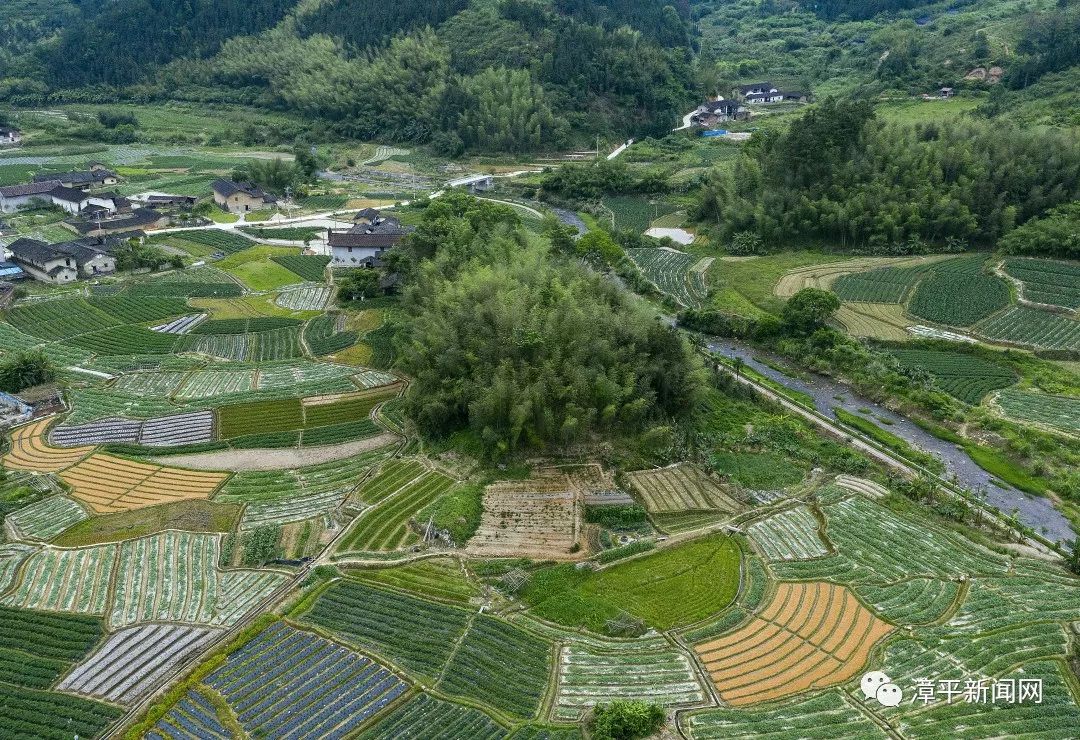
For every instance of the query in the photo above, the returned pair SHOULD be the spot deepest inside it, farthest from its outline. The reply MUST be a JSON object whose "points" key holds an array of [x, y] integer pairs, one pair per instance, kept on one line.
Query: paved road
{"points": [[1034, 511]]}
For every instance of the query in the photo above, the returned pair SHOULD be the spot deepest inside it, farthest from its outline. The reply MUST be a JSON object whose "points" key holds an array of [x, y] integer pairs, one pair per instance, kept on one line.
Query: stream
{"points": [[1035, 511]]}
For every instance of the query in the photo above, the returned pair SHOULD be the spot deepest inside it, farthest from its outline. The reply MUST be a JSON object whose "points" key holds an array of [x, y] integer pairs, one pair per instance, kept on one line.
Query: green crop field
{"points": [[674, 586], [959, 292], [1051, 282], [311, 268], [671, 273], [385, 526], [441, 578], [1059, 412], [883, 285], [216, 240], [323, 338], [635, 213], [966, 377], [1031, 327], [260, 417], [255, 267]]}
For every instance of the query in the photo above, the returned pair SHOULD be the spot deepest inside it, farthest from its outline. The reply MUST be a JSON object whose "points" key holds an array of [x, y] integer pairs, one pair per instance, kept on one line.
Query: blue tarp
{"points": [[715, 132]]}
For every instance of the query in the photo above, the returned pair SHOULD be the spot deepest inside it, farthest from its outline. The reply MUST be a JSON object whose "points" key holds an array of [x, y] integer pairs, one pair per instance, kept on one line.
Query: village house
{"points": [[757, 88], [16, 197], [364, 244], [66, 262], [719, 111], [240, 197], [165, 200], [759, 93], [97, 176], [102, 223], [44, 262], [9, 136]]}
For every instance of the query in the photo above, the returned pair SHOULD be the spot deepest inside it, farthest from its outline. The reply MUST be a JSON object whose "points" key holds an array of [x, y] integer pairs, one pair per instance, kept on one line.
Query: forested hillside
{"points": [[507, 75]]}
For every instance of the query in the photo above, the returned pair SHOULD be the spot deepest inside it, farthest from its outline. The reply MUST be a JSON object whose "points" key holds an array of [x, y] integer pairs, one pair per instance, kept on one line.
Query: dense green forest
{"points": [[517, 347], [506, 75], [839, 173]]}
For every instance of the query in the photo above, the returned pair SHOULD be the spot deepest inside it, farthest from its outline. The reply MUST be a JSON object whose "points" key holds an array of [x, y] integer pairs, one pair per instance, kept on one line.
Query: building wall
{"points": [[100, 265], [239, 202], [67, 275], [353, 256], [10, 205]]}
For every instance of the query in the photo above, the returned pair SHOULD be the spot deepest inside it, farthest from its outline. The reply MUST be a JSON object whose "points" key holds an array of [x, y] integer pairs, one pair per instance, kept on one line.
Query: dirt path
{"points": [[291, 457]]}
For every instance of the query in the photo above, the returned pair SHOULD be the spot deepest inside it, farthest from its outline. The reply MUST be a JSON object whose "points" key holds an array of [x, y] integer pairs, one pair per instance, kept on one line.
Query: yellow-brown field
{"points": [[110, 484], [823, 276], [811, 635], [30, 450]]}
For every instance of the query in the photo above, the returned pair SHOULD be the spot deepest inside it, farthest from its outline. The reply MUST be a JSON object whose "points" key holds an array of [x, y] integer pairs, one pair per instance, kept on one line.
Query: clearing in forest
{"points": [[811, 635]]}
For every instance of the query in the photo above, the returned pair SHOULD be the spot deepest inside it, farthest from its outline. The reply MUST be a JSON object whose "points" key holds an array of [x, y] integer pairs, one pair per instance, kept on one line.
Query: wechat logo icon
{"points": [[876, 685]]}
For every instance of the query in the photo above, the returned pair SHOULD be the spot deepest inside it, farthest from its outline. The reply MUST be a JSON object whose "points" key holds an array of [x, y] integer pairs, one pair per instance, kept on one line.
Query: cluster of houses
{"points": [[739, 108], [68, 261]]}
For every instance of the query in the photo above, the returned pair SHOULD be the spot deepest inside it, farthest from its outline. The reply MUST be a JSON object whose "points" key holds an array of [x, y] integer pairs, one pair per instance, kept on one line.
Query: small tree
{"points": [[359, 285], [626, 720], [25, 370], [808, 310]]}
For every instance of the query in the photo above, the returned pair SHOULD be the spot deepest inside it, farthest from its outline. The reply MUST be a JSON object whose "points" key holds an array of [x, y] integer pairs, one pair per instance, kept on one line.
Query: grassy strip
{"points": [[890, 441], [1000, 466], [618, 553]]}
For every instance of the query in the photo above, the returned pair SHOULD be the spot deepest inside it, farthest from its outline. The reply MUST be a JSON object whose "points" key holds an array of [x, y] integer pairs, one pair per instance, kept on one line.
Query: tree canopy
{"points": [[522, 349]]}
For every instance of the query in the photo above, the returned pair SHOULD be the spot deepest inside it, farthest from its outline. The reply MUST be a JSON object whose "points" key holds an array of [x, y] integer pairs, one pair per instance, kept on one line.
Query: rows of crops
{"points": [[391, 478], [669, 270], [164, 431], [323, 338], [165, 577], [426, 718], [194, 716], [883, 285], [44, 519], [588, 677], [479, 657], [385, 526], [289, 683], [216, 239], [279, 485], [682, 487], [133, 661], [434, 578], [960, 292], [66, 580], [1060, 412], [966, 377], [1032, 327], [1047, 281], [275, 344], [822, 717], [310, 267], [305, 298], [789, 535], [915, 601], [293, 509], [875, 545]]}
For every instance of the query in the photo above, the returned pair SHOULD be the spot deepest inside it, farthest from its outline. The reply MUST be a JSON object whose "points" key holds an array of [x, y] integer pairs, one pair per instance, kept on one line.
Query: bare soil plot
{"points": [[30, 450], [681, 487], [280, 459], [110, 484], [537, 518], [861, 485], [811, 635]]}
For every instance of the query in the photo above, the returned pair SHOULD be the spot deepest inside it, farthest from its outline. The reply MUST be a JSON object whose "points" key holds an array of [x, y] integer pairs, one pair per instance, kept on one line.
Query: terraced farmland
{"points": [[310, 267], [821, 631], [132, 661], [1049, 282], [220, 241], [916, 601], [305, 298], [108, 483], [681, 487], [823, 717], [588, 677], [66, 580], [323, 338], [959, 292], [426, 718], [1060, 412], [30, 450], [173, 577], [290, 683], [194, 716], [670, 271], [883, 285], [385, 526], [292, 509], [789, 535], [44, 519], [535, 518], [963, 376]]}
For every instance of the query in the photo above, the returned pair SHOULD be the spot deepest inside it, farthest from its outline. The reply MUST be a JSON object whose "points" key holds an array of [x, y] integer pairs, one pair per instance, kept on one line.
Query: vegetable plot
{"points": [[670, 271]]}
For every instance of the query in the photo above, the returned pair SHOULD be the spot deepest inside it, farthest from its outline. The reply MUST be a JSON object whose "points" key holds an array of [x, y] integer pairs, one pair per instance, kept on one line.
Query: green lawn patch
{"points": [[762, 471], [674, 586]]}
